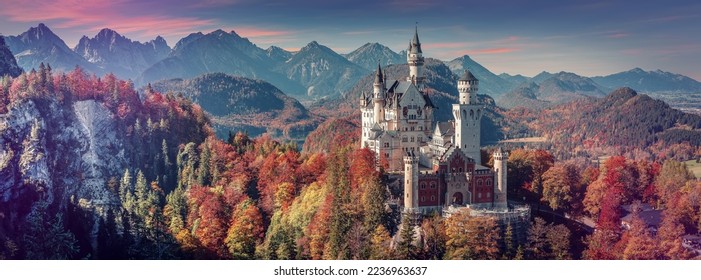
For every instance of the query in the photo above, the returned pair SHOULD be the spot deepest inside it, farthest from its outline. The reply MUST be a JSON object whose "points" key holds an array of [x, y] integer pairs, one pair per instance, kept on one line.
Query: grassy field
{"points": [[695, 167]]}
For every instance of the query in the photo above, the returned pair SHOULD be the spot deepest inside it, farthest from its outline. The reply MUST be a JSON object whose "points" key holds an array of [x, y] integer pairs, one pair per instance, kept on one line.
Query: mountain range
{"points": [[112, 52], [39, 44], [314, 72], [552, 89], [650, 81]]}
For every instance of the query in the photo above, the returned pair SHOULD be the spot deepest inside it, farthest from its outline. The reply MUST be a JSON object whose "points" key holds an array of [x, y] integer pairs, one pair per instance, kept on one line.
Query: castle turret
{"points": [[415, 59], [468, 115], [411, 181], [500, 188], [379, 97], [467, 87]]}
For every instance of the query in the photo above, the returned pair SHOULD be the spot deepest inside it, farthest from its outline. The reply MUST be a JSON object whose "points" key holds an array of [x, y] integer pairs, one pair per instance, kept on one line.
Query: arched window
{"points": [[489, 182], [433, 185], [479, 182], [423, 185]]}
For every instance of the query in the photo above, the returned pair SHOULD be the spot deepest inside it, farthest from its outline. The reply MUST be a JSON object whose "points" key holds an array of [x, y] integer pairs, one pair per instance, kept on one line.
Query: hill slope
{"points": [[8, 64], [623, 118], [368, 55], [322, 71], [237, 103]]}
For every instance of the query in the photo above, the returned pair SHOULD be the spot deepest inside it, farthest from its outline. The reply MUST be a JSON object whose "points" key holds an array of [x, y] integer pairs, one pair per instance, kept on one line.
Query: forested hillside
{"points": [[242, 104]]}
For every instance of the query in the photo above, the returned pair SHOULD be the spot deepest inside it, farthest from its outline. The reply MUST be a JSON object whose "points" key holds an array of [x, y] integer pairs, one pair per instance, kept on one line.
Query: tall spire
{"points": [[415, 43], [378, 76]]}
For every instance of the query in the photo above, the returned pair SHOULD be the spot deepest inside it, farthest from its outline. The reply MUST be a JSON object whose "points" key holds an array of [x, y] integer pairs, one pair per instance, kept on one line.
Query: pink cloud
{"points": [[495, 51], [124, 16]]}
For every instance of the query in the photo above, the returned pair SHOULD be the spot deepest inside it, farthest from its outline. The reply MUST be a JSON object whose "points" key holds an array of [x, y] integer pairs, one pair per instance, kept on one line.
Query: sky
{"points": [[587, 37]]}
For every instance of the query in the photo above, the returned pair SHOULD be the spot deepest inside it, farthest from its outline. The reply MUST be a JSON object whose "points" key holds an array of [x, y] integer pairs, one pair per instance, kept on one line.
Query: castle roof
{"points": [[397, 90], [444, 129], [467, 76]]}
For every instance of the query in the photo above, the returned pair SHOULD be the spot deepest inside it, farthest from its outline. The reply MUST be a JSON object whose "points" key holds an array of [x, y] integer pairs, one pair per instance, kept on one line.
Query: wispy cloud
{"points": [[618, 35], [256, 32]]}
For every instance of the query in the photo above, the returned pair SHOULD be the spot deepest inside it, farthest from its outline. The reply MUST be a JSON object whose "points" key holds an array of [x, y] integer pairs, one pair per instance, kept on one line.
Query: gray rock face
{"points": [[60, 153]]}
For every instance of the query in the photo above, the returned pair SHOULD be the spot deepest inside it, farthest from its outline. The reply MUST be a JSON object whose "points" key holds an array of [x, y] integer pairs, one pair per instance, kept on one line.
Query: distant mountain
{"points": [[237, 103], [8, 64], [368, 55], [525, 95], [553, 89], [514, 80], [115, 53], [187, 39], [650, 81], [322, 71], [217, 51], [278, 54], [542, 76], [565, 86], [622, 118], [39, 44], [489, 83]]}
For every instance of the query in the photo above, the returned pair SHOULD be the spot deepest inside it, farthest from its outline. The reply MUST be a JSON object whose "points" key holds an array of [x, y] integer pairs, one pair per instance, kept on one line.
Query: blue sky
{"points": [[517, 37]]}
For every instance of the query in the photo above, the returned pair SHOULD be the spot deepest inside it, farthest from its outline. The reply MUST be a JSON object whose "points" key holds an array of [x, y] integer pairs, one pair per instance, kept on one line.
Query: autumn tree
{"points": [[673, 176], [471, 238], [380, 244], [246, 230], [434, 236], [559, 184], [641, 244]]}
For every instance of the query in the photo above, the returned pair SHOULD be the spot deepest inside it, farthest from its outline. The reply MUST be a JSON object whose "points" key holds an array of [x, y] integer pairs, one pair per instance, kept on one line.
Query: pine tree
{"points": [[405, 246], [47, 238]]}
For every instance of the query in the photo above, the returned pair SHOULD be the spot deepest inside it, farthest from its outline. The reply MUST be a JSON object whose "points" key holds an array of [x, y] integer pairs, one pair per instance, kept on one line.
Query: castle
{"points": [[441, 162]]}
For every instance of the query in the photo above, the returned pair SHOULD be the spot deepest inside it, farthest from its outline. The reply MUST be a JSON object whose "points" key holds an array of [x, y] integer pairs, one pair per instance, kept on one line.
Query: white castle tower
{"points": [[500, 188], [468, 114], [411, 181], [415, 58], [378, 89]]}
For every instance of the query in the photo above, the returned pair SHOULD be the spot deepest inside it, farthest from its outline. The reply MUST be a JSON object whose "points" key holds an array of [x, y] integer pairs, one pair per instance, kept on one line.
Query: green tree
{"points": [[406, 249], [46, 237]]}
